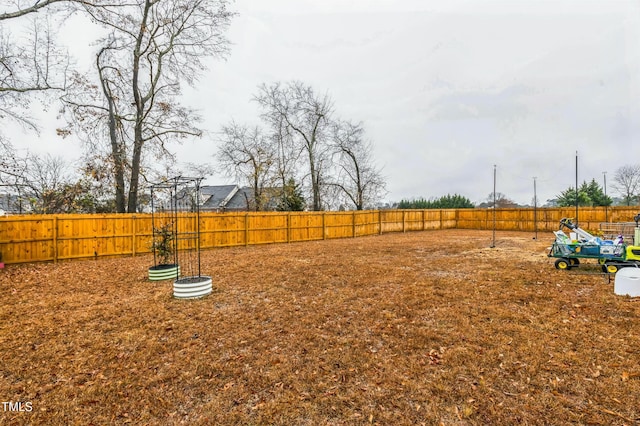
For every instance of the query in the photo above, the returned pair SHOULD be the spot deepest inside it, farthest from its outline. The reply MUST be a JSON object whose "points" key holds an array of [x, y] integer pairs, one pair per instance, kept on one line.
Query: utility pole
{"points": [[576, 188], [493, 244], [606, 207], [535, 209]]}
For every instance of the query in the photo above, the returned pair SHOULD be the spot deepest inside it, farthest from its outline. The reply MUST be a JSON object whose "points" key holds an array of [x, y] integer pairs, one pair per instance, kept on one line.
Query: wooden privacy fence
{"points": [[33, 238]]}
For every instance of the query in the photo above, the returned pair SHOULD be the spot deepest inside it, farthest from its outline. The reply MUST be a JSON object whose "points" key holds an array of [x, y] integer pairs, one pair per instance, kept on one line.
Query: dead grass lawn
{"points": [[401, 329]]}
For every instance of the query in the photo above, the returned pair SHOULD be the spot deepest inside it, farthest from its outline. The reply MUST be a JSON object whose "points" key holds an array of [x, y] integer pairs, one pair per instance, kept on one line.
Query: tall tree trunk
{"points": [[315, 184], [257, 191], [118, 162], [117, 151], [135, 174], [139, 101]]}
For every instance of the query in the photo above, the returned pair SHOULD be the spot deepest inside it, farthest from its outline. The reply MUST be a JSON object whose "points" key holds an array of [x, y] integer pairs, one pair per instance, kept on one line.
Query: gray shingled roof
{"points": [[244, 199], [216, 196], [239, 199], [232, 197]]}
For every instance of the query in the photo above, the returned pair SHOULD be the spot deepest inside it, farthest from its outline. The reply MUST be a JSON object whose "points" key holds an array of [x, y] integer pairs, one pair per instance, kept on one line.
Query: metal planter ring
{"points": [[164, 272], [192, 287]]}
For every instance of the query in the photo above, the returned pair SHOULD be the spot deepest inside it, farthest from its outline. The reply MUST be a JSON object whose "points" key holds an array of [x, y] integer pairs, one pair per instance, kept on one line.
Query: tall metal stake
{"points": [[535, 209], [494, 207], [606, 207], [576, 188]]}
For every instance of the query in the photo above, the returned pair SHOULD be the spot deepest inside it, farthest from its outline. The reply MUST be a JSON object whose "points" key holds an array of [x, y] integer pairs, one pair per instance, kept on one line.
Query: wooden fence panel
{"points": [[392, 221], [31, 238], [622, 214], [367, 223], [83, 236], [339, 224], [305, 226], [449, 219], [142, 233], [432, 219], [27, 238], [267, 228], [222, 230], [413, 220]]}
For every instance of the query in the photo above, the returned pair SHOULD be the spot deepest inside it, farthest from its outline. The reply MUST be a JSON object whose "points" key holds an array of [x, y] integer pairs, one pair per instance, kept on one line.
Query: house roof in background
{"points": [[217, 196], [239, 201]]}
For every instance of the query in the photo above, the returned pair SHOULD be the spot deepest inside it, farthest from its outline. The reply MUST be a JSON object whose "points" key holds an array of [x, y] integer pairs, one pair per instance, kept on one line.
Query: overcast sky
{"points": [[445, 89]]}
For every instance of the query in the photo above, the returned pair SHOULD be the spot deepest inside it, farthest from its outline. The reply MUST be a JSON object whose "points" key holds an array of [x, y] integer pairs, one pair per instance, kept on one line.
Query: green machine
{"points": [[579, 244]]}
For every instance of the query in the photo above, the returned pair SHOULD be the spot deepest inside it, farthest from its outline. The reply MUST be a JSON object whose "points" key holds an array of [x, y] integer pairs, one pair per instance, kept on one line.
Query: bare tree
{"points": [[287, 153], [45, 179], [198, 170], [627, 182], [298, 111], [29, 65], [112, 91], [249, 156], [501, 201], [90, 109], [357, 177], [45, 184], [12, 172], [25, 7], [153, 47]]}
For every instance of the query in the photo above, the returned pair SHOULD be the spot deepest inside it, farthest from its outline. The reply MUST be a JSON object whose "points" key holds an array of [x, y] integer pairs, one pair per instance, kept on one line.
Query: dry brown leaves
{"points": [[417, 328]]}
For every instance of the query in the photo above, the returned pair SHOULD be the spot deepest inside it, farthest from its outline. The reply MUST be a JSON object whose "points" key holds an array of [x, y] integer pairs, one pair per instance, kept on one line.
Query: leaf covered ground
{"points": [[400, 329]]}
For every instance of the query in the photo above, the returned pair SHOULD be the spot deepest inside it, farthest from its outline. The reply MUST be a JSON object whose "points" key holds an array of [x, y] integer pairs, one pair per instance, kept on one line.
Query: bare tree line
{"points": [[127, 111], [302, 141]]}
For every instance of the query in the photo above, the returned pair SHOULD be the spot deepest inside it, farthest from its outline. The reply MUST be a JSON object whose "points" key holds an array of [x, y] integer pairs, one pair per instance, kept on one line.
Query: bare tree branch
{"points": [[27, 68], [153, 47], [24, 8], [627, 182], [308, 117], [358, 178], [248, 156]]}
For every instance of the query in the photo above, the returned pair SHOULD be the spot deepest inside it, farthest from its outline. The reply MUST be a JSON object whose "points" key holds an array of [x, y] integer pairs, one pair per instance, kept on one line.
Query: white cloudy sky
{"points": [[446, 88]]}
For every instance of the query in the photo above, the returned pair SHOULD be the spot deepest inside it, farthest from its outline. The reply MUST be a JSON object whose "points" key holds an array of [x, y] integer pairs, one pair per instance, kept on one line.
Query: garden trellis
{"points": [[175, 212]]}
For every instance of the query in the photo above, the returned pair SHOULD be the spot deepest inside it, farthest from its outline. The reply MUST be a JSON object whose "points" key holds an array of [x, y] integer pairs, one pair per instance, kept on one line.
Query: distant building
{"points": [[216, 198], [233, 198], [10, 204]]}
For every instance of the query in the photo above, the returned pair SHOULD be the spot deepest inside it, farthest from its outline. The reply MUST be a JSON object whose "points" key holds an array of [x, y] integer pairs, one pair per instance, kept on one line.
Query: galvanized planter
{"points": [[192, 287], [164, 272]]}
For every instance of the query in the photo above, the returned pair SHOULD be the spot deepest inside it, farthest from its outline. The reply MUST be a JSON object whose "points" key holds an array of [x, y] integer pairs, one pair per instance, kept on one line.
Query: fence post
{"points": [[55, 239], [324, 226], [353, 224], [380, 222], [404, 229], [133, 235], [423, 219], [246, 229], [289, 227]]}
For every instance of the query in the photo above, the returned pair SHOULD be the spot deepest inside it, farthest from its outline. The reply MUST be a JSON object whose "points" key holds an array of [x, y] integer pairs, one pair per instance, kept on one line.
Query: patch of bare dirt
{"points": [[418, 328]]}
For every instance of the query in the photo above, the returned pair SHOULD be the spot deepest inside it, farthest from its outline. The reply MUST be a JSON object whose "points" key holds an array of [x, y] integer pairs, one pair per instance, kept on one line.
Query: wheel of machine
{"points": [[563, 263], [574, 261], [610, 268]]}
